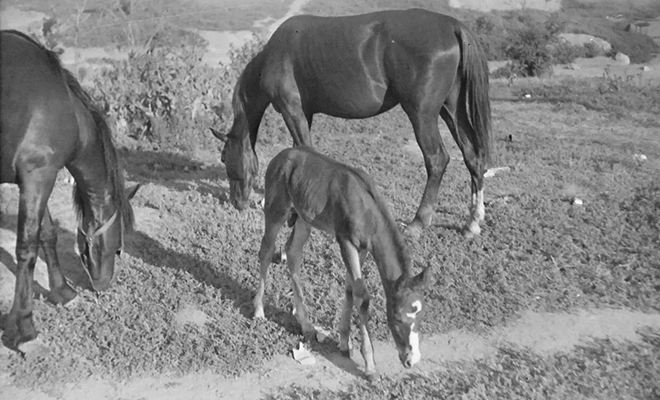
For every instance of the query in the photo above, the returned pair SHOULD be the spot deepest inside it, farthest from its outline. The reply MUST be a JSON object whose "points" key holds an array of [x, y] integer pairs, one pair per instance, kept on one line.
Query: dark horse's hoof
{"points": [[17, 332], [62, 295], [345, 353]]}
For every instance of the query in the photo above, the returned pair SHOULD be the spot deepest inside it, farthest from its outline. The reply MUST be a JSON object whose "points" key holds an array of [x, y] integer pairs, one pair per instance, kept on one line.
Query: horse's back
{"points": [[348, 66], [35, 107], [327, 194]]}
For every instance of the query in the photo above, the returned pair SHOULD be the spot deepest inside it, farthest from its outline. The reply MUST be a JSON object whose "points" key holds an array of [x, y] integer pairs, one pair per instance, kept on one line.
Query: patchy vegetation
{"points": [[603, 370]]}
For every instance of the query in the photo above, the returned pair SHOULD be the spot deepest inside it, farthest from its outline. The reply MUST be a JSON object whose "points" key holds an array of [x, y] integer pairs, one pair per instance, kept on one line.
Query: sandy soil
{"points": [[545, 333]]}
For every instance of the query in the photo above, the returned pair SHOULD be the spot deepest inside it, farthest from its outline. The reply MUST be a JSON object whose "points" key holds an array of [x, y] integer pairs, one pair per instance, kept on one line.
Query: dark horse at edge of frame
{"points": [[49, 122], [360, 66], [311, 190]]}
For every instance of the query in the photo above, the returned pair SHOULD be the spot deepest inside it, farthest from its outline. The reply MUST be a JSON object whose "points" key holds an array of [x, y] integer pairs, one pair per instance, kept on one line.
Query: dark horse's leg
{"points": [[424, 119], [60, 291], [289, 104], [455, 115], [35, 188]]}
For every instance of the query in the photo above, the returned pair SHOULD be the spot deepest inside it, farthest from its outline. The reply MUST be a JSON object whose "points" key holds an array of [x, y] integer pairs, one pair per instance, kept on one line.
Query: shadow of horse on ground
{"points": [[175, 171]]}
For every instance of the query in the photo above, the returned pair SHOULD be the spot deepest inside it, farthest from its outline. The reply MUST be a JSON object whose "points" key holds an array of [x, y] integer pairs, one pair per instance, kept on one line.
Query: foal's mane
{"points": [[114, 174], [399, 242]]}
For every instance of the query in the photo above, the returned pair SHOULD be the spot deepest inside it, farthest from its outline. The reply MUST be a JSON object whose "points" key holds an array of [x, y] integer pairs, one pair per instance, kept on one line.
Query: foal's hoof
{"points": [[414, 230]]}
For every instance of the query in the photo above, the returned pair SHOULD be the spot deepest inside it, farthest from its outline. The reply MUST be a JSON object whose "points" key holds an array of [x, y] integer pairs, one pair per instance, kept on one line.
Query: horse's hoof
{"points": [[372, 377], [414, 230], [469, 232], [17, 332], [62, 296], [259, 314], [345, 353]]}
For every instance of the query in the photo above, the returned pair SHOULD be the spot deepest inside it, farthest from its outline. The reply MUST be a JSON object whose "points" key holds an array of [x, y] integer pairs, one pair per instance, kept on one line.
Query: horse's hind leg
{"points": [[294, 252], [60, 291], [425, 124], [352, 259], [462, 131], [34, 193], [274, 221], [347, 311]]}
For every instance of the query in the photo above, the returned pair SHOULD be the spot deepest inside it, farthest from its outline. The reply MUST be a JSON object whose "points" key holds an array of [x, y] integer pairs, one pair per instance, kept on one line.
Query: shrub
{"points": [[530, 48], [167, 98]]}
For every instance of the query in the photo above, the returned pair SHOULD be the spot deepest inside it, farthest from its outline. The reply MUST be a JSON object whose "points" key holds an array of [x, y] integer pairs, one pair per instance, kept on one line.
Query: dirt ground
{"points": [[544, 333]]}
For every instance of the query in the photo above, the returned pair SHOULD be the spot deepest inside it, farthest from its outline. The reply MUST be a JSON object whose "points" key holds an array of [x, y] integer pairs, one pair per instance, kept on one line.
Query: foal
{"points": [[343, 201]]}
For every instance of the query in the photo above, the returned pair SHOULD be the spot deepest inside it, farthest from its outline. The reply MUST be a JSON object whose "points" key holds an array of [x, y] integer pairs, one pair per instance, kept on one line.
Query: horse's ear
{"points": [[219, 135], [130, 192]]}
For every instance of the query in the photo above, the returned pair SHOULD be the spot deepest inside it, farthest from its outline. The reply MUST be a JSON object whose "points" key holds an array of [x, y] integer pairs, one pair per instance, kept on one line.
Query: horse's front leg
{"points": [[345, 321], [60, 291], [19, 327], [353, 259], [297, 121]]}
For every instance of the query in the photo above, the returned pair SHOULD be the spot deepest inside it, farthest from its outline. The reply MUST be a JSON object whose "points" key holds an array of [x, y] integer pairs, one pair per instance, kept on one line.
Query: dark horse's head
{"points": [[241, 162], [405, 310], [99, 241]]}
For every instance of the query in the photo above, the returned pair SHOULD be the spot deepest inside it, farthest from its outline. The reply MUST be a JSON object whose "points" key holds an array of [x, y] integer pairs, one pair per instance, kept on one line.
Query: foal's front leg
{"points": [[272, 228], [347, 311], [352, 258]]}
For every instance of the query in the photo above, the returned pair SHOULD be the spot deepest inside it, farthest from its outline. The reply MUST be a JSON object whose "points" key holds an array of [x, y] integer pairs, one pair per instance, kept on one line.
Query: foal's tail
{"points": [[475, 86]]}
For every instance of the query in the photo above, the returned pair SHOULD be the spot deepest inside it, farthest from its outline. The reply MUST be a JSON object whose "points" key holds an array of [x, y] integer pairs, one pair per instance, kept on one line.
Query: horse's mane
{"points": [[390, 224], [114, 173]]}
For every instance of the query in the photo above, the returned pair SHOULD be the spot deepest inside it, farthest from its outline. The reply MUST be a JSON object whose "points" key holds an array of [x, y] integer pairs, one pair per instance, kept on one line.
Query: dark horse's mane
{"points": [[114, 173]]}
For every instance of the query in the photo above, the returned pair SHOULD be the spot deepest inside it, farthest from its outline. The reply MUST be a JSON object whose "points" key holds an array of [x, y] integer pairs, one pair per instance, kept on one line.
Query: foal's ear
{"points": [[219, 135], [130, 192], [422, 279]]}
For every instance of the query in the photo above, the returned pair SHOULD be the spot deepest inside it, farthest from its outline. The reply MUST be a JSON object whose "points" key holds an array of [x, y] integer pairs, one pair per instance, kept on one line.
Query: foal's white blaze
{"points": [[414, 345], [417, 307]]}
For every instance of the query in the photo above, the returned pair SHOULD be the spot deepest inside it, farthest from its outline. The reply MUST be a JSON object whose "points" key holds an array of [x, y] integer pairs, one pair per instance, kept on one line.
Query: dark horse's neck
{"points": [[249, 102]]}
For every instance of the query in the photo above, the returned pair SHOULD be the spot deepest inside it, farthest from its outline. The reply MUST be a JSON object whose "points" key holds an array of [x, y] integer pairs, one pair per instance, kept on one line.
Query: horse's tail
{"points": [[475, 84]]}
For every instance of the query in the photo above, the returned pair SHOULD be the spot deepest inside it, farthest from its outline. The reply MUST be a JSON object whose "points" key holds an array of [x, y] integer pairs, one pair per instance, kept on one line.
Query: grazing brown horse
{"points": [[360, 66], [48, 122], [319, 192]]}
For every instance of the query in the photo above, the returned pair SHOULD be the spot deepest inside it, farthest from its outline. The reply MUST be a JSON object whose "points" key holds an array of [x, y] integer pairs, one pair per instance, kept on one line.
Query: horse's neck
{"points": [[92, 178], [389, 252]]}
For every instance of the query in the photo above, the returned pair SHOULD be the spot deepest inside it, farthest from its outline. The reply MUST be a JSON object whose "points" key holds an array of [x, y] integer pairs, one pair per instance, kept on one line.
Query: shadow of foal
{"points": [[311, 190]]}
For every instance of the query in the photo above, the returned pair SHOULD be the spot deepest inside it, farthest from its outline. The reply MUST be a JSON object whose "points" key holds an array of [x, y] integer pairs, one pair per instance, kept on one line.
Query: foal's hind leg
{"points": [[274, 221], [60, 291], [351, 256], [294, 251], [462, 131]]}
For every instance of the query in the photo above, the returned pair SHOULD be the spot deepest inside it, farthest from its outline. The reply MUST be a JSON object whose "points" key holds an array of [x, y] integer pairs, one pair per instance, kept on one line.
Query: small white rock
{"points": [[577, 202], [639, 157]]}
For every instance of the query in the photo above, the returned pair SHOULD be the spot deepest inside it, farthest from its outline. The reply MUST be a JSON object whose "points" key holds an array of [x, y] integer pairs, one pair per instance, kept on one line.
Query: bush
{"points": [[530, 48], [167, 98]]}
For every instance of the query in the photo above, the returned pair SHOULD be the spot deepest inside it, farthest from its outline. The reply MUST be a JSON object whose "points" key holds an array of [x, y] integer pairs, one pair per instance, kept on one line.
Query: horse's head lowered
{"points": [[242, 166], [100, 241], [405, 311]]}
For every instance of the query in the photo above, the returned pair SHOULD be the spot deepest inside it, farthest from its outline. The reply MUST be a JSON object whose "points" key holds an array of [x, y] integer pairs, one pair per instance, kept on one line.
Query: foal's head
{"points": [[405, 311]]}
